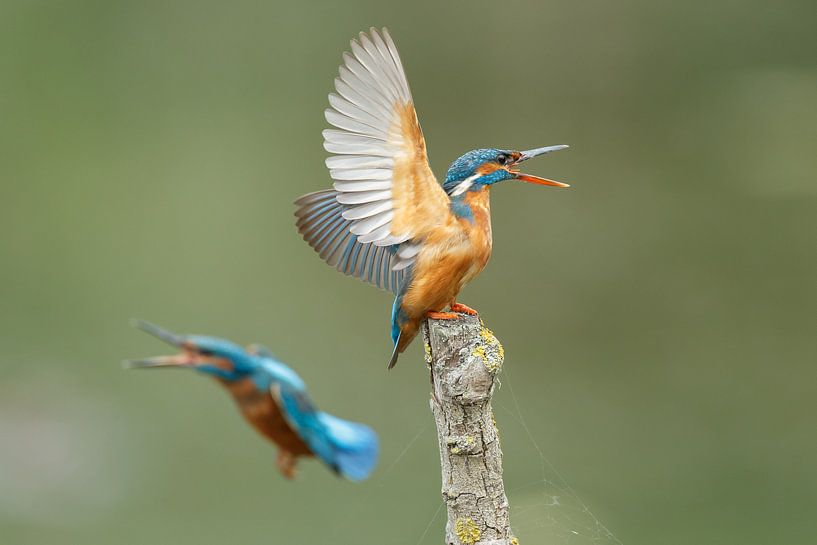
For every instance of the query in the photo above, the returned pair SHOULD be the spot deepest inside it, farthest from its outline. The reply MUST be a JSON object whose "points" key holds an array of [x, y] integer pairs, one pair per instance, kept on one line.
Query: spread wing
{"points": [[321, 223], [386, 192], [302, 416]]}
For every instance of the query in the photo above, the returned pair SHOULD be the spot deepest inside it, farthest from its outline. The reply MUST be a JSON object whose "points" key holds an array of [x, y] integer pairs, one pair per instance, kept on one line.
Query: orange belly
{"points": [[438, 278], [263, 413], [451, 257]]}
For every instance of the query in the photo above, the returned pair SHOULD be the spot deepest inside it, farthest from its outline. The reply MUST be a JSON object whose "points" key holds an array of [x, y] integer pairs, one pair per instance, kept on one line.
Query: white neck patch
{"points": [[463, 186]]}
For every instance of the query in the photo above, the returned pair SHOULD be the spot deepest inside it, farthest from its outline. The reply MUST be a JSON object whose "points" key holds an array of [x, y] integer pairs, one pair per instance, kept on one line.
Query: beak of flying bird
{"points": [[530, 178], [189, 356]]}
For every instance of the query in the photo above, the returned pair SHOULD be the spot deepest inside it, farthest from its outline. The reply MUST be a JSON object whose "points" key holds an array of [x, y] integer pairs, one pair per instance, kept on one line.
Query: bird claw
{"points": [[463, 309], [441, 315]]}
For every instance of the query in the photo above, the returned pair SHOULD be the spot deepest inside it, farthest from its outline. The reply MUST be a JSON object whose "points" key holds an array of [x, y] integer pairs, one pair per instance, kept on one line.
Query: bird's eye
{"points": [[501, 158], [206, 352]]}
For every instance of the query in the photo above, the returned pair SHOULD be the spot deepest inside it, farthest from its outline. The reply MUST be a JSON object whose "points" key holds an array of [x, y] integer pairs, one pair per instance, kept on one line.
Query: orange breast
{"points": [[479, 232], [451, 256], [261, 411]]}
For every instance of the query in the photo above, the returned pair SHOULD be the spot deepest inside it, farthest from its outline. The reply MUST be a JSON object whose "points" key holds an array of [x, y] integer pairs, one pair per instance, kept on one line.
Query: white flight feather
{"points": [[362, 197], [369, 138], [366, 210]]}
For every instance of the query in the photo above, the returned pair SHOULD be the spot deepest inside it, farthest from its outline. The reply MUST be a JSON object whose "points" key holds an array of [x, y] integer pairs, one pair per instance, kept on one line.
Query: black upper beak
{"points": [[159, 332], [531, 153]]}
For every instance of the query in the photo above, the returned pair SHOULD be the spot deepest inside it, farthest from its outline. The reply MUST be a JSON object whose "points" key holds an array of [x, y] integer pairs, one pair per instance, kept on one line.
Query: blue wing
{"points": [[349, 448], [322, 225], [261, 351]]}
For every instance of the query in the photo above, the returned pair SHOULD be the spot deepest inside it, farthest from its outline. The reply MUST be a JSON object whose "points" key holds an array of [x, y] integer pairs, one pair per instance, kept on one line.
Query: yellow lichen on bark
{"points": [[467, 531]]}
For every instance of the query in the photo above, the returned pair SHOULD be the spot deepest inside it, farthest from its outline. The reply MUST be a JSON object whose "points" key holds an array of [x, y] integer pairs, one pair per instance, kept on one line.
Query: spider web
{"points": [[549, 509], [545, 510]]}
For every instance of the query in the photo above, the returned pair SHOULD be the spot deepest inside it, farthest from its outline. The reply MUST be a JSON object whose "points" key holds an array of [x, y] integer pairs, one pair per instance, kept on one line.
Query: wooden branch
{"points": [[465, 358]]}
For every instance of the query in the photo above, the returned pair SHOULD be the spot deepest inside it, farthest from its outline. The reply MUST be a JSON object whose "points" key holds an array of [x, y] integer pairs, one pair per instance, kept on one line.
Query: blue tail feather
{"points": [[355, 446], [348, 447]]}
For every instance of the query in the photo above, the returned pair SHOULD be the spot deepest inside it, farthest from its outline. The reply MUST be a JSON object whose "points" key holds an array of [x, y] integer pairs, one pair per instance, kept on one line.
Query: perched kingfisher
{"points": [[274, 400], [387, 220]]}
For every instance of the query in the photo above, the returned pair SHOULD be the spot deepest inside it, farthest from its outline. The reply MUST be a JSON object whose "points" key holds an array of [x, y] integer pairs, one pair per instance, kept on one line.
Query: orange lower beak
{"points": [[184, 359], [537, 180]]}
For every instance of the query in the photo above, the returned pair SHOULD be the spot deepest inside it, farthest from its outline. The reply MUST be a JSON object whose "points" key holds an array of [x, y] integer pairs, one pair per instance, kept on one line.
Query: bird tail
{"points": [[397, 320], [394, 354], [403, 332], [355, 446]]}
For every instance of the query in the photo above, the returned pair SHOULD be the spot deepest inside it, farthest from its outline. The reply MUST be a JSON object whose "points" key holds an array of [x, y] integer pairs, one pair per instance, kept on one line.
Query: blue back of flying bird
{"points": [[274, 399]]}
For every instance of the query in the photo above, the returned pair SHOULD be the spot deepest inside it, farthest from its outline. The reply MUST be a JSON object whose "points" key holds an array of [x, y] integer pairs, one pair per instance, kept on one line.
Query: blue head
{"points": [[484, 167], [209, 355]]}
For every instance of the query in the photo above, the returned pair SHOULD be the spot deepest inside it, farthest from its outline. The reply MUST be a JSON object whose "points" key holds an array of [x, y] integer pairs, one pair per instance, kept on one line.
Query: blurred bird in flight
{"points": [[387, 219], [274, 400]]}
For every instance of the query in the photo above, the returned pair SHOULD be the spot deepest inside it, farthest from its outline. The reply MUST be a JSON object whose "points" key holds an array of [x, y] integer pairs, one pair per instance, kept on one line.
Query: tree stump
{"points": [[465, 358]]}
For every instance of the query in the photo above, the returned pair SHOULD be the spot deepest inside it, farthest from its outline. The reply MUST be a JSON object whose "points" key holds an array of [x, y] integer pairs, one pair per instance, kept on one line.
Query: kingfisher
{"points": [[274, 400], [387, 220]]}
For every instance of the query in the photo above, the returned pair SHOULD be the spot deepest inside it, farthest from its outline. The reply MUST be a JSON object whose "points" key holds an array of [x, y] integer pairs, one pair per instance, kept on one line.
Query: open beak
{"points": [[185, 359], [159, 332], [530, 178], [176, 360]]}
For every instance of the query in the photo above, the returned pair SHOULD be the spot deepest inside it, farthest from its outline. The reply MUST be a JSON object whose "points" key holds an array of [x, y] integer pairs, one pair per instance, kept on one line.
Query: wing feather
{"points": [[347, 137], [363, 185], [362, 197], [385, 199], [366, 210], [369, 224], [349, 93], [361, 174], [354, 149], [345, 161], [379, 234], [382, 147], [321, 223], [350, 110], [349, 124]]}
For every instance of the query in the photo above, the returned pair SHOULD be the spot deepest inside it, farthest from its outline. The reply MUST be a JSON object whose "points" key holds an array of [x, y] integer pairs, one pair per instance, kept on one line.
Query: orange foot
{"points": [[441, 315], [464, 309], [286, 463]]}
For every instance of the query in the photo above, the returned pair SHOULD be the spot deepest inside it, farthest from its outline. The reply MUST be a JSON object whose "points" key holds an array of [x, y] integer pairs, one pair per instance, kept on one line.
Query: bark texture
{"points": [[465, 358]]}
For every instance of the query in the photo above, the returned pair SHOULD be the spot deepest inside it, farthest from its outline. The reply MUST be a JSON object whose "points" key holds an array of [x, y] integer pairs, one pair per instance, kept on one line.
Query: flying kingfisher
{"points": [[387, 220], [274, 400]]}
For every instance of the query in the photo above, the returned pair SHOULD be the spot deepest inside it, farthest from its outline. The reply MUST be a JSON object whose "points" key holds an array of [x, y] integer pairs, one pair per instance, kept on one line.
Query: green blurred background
{"points": [[659, 317]]}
